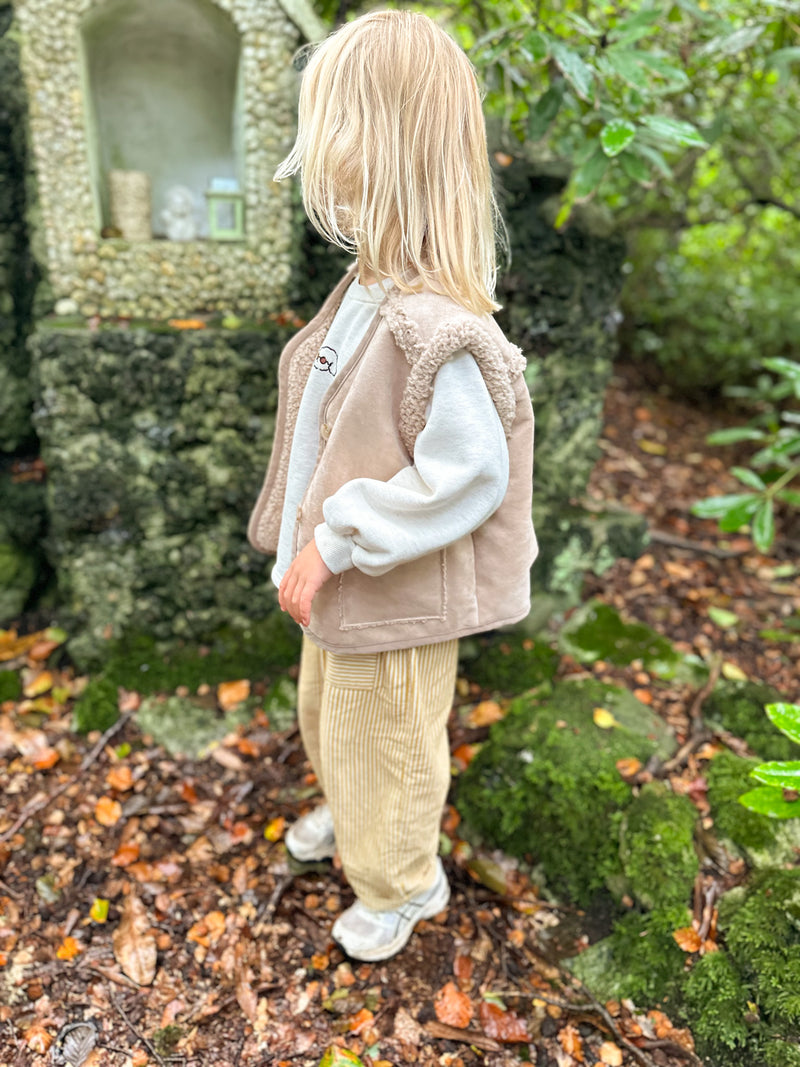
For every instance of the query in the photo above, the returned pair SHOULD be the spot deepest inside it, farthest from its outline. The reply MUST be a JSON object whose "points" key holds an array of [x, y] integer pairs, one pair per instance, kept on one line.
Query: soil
{"points": [[232, 950]]}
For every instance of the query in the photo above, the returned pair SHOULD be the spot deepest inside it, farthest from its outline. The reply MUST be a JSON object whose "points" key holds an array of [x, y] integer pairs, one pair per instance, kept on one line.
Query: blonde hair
{"points": [[391, 151]]}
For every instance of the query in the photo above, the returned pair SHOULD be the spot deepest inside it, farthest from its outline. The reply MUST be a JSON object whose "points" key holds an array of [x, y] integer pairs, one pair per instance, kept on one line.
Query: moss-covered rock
{"points": [[508, 663], [17, 578], [656, 846], [545, 784], [715, 1000], [739, 708], [597, 631], [187, 726]]}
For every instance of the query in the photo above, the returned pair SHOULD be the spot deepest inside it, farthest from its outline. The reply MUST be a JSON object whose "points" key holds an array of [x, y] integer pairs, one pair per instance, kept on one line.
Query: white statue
{"points": [[178, 216]]}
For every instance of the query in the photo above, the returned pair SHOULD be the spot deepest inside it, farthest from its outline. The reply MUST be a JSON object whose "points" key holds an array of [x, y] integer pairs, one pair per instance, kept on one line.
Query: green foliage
{"points": [[511, 663], [10, 687], [656, 847], [739, 708], [97, 708], [715, 1002], [778, 775], [777, 431], [597, 631], [727, 776], [545, 784]]}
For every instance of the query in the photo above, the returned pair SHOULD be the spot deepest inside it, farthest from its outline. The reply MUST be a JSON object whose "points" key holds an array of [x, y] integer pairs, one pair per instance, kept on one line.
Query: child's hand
{"points": [[301, 583]]}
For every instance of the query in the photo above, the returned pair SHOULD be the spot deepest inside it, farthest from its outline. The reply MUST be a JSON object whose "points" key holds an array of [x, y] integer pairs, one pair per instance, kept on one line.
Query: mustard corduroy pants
{"points": [[374, 726]]}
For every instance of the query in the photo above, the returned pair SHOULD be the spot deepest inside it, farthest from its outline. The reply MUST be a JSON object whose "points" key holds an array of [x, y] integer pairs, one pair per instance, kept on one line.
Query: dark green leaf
{"points": [[652, 155], [787, 718], [588, 175], [739, 515], [577, 73], [628, 67], [616, 135], [545, 110], [763, 527], [635, 167], [537, 45], [643, 22], [769, 800], [675, 77]]}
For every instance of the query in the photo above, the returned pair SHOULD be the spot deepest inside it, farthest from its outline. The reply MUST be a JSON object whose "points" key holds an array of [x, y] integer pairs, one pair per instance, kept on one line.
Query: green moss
{"points": [[186, 726], [728, 776], [640, 959], [10, 687], [739, 708], [656, 847], [512, 663], [596, 631], [97, 707], [715, 1003], [546, 785]]}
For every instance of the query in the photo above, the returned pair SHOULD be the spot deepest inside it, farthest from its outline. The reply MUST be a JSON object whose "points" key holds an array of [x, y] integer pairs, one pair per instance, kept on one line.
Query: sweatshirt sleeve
{"points": [[458, 479]]}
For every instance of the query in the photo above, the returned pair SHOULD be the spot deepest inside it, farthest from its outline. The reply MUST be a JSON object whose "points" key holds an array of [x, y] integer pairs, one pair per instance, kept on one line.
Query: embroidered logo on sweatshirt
{"points": [[327, 360]]}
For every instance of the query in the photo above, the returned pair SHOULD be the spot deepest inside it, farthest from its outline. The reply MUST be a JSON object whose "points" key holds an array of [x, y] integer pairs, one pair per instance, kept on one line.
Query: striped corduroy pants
{"points": [[374, 726]]}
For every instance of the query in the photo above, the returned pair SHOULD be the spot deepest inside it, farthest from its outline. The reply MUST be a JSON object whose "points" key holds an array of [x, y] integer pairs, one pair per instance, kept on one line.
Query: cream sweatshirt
{"points": [[458, 478]]}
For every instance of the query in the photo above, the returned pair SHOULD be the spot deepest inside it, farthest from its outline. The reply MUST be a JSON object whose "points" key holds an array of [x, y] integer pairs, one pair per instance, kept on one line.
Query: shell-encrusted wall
{"points": [[112, 276]]}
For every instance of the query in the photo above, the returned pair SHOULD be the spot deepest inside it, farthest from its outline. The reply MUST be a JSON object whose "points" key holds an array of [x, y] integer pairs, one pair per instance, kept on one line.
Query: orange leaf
{"points": [[462, 969], [452, 1007], [688, 939], [45, 759], [208, 929], [360, 1021], [38, 1039], [12, 646], [645, 695], [229, 694], [42, 649], [571, 1041], [485, 713], [120, 778], [125, 855], [247, 747], [187, 324], [274, 829], [502, 1025], [629, 766], [464, 755], [107, 811], [139, 1058], [68, 949], [610, 1054]]}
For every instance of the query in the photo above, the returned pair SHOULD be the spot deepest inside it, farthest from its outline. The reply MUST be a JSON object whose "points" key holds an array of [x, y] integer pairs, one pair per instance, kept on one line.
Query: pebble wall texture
{"points": [[91, 275]]}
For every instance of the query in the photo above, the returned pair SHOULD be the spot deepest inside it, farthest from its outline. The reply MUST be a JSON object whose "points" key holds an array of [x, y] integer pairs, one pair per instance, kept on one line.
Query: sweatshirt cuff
{"points": [[335, 549]]}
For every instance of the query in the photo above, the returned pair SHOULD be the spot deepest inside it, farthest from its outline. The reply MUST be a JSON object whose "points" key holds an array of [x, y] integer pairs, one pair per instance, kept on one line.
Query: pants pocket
{"points": [[357, 670]]}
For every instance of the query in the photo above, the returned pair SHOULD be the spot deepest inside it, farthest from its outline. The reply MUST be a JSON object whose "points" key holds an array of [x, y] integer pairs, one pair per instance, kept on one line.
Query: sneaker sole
{"points": [[384, 952], [310, 856]]}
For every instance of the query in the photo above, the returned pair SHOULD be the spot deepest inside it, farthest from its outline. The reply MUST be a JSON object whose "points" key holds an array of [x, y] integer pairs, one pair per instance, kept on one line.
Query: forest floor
{"points": [[152, 895]]}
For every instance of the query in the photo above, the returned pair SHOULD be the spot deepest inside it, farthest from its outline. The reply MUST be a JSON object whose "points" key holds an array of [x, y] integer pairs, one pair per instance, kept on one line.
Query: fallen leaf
{"points": [[571, 1041], [462, 969], [687, 938], [40, 683], [485, 713], [139, 1058], [452, 1006], [107, 811], [503, 1026], [610, 1054], [38, 1039], [732, 672], [273, 831], [360, 1021], [125, 855], [186, 324], [652, 448], [120, 778], [340, 1057], [464, 754], [208, 929], [645, 695], [68, 949], [45, 759], [99, 910], [629, 766], [134, 943], [604, 718], [229, 694]]}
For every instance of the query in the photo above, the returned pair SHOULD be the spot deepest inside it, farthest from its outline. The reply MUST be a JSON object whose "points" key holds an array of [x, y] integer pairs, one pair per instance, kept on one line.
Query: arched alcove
{"points": [[164, 96]]}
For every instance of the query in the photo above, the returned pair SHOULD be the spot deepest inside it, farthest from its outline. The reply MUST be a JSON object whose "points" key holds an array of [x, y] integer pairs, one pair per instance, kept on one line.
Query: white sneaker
{"points": [[371, 935], [311, 837]]}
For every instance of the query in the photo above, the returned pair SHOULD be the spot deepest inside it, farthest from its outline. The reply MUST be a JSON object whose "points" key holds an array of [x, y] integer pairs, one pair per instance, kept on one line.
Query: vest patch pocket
{"points": [[411, 592]]}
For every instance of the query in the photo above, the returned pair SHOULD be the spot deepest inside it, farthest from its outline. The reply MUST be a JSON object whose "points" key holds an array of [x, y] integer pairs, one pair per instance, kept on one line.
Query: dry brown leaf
{"points": [[687, 938], [125, 855], [571, 1041], [452, 1006], [610, 1054], [41, 682], [502, 1025], [135, 944], [245, 994]]}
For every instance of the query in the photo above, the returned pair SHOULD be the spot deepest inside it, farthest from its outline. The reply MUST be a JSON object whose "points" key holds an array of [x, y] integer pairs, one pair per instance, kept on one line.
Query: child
{"points": [[398, 495]]}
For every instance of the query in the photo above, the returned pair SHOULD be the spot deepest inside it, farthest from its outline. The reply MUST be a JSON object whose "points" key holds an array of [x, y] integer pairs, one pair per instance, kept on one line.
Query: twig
{"points": [[673, 540], [591, 1006], [274, 900], [139, 1036], [35, 806], [112, 976], [468, 1037], [702, 694]]}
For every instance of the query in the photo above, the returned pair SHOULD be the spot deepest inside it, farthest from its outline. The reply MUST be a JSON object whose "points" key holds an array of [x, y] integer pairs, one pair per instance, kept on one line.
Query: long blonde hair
{"points": [[391, 151]]}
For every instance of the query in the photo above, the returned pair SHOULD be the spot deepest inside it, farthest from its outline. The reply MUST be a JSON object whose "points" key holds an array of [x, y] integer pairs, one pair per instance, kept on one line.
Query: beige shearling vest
{"points": [[369, 421]]}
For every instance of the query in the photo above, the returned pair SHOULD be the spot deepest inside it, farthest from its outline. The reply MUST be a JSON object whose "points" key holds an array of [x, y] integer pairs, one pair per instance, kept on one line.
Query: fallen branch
{"points": [[38, 805], [674, 541], [468, 1037]]}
